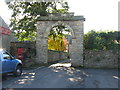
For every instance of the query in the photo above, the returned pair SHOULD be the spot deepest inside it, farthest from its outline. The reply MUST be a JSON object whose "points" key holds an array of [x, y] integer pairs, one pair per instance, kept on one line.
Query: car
{"points": [[9, 64]]}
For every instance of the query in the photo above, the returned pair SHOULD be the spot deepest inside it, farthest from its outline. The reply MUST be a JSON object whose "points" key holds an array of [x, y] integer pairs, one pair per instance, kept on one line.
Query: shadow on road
{"points": [[62, 75]]}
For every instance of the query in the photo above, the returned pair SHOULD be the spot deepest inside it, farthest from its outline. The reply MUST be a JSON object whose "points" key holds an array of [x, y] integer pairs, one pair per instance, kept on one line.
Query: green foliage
{"points": [[102, 40], [25, 14]]}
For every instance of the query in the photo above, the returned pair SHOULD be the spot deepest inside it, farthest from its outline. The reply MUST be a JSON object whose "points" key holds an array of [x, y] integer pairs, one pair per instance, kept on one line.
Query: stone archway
{"points": [[74, 23]]}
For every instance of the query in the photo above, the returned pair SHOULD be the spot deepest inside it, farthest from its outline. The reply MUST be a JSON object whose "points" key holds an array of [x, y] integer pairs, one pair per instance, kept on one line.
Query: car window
{"points": [[6, 56]]}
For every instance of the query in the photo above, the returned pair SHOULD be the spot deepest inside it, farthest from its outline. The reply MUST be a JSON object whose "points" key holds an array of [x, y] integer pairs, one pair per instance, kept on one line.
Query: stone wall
{"points": [[101, 59], [29, 57], [15, 45], [92, 59], [54, 56], [28, 53]]}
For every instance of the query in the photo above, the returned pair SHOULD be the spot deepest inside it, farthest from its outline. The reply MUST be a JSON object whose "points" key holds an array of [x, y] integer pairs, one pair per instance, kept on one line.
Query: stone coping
{"points": [[61, 18], [69, 14]]}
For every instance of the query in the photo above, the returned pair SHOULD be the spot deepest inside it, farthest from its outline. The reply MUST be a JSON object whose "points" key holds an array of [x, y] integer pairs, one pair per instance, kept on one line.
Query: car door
{"points": [[8, 64]]}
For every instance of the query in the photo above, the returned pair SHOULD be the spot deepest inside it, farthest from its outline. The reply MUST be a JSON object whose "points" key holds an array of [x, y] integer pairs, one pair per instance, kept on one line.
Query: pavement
{"points": [[62, 75]]}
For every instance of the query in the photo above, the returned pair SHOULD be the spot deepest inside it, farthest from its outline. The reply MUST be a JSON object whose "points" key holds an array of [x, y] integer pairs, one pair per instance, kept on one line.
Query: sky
{"points": [[99, 14]]}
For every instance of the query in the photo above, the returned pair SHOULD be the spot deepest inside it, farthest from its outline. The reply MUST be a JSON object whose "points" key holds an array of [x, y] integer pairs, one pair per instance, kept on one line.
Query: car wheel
{"points": [[18, 71]]}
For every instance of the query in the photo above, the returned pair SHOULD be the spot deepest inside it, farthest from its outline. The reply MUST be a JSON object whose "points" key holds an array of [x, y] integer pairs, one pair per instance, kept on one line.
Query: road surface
{"points": [[62, 75]]}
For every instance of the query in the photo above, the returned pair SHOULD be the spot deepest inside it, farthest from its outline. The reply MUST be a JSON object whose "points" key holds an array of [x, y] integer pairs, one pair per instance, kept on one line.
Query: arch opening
{"points": [[59, 23], [59, 40]]}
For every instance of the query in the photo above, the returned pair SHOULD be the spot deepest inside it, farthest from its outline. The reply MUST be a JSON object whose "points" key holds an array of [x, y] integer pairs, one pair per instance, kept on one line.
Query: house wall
{"points": [[6, 42], [0, 41], [4, 35]]}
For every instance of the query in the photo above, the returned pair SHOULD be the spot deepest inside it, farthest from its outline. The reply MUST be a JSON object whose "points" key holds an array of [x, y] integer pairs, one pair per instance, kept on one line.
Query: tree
{"points": [[25, 14], [57, 38], [102, 40], [57, 44]]}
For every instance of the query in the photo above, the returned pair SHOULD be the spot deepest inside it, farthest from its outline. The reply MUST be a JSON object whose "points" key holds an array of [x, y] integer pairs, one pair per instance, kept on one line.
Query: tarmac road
{"points": [[61, 75]]}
